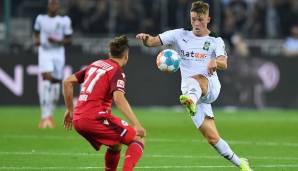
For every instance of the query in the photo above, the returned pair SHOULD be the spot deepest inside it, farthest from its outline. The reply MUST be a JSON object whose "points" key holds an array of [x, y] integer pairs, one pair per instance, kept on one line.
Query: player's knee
{"points": [[139, 139], [212, 139]]}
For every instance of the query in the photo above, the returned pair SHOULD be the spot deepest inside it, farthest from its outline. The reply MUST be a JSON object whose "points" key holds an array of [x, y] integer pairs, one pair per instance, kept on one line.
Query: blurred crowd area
{"points": [[235, 20], [251, 18]]}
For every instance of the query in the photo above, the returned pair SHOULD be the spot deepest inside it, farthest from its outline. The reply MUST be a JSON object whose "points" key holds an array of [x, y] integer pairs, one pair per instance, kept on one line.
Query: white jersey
{"points": [[195, 51], [56, 27], [51, 57]]}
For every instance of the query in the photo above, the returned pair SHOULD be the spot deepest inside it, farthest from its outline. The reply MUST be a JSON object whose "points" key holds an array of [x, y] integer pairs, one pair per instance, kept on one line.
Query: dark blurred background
{"points": [[261, 38]]}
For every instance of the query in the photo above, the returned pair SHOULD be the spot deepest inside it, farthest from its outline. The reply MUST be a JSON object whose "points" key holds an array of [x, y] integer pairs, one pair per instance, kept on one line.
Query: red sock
{"points": [[111, 160], [132, 155]]}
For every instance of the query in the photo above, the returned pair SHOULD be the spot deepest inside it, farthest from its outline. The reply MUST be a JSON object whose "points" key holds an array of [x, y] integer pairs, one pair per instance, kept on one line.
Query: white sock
{"points": [[194, 90], [224, 149], [55, 95], [45, 99]]}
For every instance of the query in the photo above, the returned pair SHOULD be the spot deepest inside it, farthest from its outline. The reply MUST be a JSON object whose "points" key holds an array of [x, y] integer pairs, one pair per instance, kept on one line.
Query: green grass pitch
{"points": [[269, 139]]}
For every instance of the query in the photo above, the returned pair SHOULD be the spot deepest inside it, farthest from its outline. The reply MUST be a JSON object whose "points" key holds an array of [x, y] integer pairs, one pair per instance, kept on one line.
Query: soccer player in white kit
{"points": [[51, 33], [202, 53]]}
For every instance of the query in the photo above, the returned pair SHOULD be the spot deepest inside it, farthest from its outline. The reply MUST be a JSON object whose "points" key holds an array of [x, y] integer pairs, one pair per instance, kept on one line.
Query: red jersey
{"points": [[99, 81]]}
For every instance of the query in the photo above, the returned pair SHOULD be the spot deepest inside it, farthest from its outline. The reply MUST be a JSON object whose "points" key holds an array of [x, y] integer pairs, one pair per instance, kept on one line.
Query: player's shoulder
{"points": [[180, 31], [106, 64], [214, 34], [41, 16], [64, 18], [216, 37]]}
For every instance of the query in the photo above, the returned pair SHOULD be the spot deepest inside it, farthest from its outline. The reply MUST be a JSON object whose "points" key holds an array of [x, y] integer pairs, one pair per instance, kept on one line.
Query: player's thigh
{"points": [[59, 63], [213, 90], [45, 62], [115, 131], [203, 110]]}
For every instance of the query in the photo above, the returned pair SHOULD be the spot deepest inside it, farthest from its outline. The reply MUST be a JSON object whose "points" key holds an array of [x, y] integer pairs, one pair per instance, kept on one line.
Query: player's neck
{"points": [[52, 14], [201, 34], [119, 61]]}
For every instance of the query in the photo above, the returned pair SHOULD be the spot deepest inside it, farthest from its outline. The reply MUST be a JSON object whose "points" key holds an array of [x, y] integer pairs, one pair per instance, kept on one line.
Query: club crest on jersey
{"points": [[58, 26], [120, 83], [206, 45]]}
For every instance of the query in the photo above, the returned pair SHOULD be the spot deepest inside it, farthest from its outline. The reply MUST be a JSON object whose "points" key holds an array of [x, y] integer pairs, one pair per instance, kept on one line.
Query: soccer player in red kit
{"points": [[102, 82]]}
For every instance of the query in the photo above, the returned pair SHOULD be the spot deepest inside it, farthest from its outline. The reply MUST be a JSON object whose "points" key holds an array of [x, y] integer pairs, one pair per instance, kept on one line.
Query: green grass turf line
{"points": [[268, 138]]}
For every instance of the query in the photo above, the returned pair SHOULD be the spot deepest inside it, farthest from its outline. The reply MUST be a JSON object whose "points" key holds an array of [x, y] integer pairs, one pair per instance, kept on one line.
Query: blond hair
{"points": [[200, 7]]}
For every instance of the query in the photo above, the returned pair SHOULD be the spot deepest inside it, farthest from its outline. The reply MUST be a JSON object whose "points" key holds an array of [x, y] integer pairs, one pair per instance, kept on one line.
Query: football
{"points": [[168, 61]]}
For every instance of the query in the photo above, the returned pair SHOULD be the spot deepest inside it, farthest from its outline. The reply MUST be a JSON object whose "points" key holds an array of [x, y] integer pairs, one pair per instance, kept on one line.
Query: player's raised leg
{"points": [[112, 157], [191, 93], [209, 131]]}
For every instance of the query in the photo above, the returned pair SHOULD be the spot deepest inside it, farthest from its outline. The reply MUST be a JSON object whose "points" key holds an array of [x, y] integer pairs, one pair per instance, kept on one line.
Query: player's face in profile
{"points": [[199, 23], [53, 6]]}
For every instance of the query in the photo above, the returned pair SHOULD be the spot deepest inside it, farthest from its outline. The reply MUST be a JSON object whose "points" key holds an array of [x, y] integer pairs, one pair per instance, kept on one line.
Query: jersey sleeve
{"points": [[118, 82], [220, 49], [169, 37], [67, 26], [37, 24], [80, 75]]}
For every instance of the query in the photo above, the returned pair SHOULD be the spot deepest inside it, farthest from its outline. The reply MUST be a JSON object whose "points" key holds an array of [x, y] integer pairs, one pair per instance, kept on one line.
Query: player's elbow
{"points": [[118, 98], [66, 83]]}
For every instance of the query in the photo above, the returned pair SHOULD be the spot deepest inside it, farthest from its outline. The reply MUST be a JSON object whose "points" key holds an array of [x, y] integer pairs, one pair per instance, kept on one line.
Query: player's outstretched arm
{"points": [[68, 99], [222, 63], [218, 63], [148, 40], [124, 107]]}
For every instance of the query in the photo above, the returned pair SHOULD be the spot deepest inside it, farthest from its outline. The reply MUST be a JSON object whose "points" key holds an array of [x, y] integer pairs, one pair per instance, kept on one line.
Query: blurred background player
{"points": [[102, 82], [202, 53], [51, 33]]}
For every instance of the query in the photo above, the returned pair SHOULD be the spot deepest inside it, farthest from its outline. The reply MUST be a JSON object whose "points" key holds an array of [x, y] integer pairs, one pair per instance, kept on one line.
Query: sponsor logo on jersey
{"points": [[206, 45], [193, 54], [120, 83]]}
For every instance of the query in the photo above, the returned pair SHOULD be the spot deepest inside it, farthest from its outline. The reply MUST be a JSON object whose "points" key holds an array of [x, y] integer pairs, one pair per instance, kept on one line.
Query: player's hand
{"points": [[37, 43], [140, 131], [212, 66], [142, 36], [54, 41], [67, 122]]}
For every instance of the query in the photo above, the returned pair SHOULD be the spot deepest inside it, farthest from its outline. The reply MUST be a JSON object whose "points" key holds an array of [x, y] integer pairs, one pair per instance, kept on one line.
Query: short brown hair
{"points": [[200, 7], [118, 45]]}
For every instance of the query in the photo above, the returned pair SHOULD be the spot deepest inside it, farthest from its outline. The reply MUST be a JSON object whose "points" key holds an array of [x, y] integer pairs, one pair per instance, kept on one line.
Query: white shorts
{"points": [[51, 61], [204, 108]]}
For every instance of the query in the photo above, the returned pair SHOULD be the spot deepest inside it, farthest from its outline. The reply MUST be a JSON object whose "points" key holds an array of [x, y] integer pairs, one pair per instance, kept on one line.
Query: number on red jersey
{"points": [[93, 75]]}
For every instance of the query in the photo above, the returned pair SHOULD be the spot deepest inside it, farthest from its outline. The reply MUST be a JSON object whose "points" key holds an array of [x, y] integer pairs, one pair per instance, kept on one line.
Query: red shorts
{"points": [[105, 130]]}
